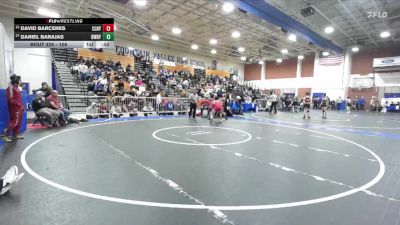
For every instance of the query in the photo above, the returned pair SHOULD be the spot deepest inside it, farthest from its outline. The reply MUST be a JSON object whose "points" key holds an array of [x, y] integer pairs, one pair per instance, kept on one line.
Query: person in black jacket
{"points": [[46, 89], [40, 107]]}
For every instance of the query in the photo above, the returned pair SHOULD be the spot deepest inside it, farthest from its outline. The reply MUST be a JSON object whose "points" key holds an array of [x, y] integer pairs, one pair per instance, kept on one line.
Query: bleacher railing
{"points": [[124, 105], [263, 104], [83, 104]]}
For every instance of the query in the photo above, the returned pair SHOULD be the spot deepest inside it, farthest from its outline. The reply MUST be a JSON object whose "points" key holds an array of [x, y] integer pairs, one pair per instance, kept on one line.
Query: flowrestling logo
{"points": [[377, 14]]}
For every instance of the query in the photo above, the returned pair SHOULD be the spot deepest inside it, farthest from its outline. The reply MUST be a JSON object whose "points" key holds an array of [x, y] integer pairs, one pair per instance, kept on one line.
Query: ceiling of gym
{"points": [[202, 20]]}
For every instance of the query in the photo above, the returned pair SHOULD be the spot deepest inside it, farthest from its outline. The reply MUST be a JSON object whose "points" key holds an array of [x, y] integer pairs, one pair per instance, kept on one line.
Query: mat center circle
{"points": [[202, 135]]}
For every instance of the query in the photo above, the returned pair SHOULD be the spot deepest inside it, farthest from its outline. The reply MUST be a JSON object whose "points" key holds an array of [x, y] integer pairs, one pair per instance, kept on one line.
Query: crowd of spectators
{"points": [[112, 79], [292, 103]]}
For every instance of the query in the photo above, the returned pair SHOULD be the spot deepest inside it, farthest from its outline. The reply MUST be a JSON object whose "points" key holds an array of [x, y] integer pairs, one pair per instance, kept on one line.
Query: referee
{"points": [[193, 103]]}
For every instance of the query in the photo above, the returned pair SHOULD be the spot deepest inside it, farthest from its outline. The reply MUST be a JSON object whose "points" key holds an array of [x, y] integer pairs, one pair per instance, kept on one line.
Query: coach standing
{"points": [[15, 110]]}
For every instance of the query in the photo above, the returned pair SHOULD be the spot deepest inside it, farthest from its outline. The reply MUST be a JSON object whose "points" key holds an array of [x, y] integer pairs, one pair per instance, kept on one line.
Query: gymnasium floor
{"points": [[257, 169]]}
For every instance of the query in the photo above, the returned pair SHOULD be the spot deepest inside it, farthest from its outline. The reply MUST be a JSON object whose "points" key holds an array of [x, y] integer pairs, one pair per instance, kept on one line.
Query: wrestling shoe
{"points": [[6, 139], [9, 178], [18, 137], [4, 133]]}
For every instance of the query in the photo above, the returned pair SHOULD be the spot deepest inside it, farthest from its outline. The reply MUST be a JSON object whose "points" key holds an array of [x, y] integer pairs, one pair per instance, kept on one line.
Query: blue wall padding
{"points": [[391, 95], [317, 95], [4, 110]]}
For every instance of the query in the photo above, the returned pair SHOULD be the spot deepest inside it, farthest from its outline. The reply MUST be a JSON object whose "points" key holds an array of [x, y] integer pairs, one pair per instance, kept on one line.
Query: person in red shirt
{"points": [[55, 103], [15, 110]]}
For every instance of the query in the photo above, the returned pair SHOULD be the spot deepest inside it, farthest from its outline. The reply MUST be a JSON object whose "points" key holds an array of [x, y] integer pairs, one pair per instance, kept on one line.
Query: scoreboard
{"points": [[64, 33]]}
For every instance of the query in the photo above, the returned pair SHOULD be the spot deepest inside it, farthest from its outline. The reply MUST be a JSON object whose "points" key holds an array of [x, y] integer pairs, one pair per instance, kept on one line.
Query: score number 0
{"points": [[108, 27]]}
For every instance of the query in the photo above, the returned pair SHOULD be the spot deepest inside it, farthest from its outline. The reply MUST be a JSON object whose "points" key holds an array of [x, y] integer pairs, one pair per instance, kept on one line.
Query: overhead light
{"points": [[48, 13], [355, 49], [284, 51], [385, 34], [155, 37], [329, 29], [140, 2], [195, 47], [241, 49], [213, 51], [292, 37], [228, 7], [278, 60], [235, 34], [176, 30], [261, 62], [300, 57], [243, 58], [213, 41], [325, 53]]}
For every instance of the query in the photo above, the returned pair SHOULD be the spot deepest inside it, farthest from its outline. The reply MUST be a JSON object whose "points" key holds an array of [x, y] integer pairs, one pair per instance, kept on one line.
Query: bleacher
{"points": [[67, 84], [106, 56]]}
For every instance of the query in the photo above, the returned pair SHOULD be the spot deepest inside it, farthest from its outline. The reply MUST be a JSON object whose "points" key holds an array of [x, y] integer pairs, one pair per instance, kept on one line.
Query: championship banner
{"points": [[388, 61]]}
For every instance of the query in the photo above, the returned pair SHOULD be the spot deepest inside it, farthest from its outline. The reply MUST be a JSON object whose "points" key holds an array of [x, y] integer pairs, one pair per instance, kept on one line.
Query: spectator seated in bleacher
{"points": [[132, 108], [92, 112], [139, 82], [128, 69], [116, 110], [54, 102], [147, 109], [120, 89], [41, 109], [83, 71]]}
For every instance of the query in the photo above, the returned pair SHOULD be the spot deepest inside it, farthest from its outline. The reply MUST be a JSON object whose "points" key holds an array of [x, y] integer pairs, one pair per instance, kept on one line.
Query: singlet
{"points": [[307, 100], [325, 101], [217, 105]]}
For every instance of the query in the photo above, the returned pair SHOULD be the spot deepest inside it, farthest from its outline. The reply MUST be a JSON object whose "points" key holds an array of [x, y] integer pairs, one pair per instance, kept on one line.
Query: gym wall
{"points": [[286, 69], [252, 71]]}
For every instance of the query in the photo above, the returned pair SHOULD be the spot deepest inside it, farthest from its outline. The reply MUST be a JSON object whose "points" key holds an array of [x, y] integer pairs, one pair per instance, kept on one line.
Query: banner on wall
{"points": [[387, 61], [157, 56]]}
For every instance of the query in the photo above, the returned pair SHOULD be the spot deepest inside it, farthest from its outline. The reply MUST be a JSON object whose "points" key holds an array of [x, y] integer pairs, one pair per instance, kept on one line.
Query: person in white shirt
{"points": [[83, 71], [234, 78], [158, 101], [185, 84], [372, 104], [348, 104], [147, 109], [274, 101]]}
